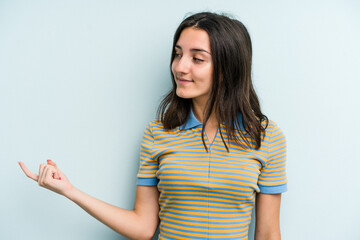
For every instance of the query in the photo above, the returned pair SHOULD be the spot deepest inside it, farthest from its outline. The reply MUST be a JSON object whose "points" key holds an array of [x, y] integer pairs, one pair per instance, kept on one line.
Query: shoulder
{"points": [[274, 139], [155, 124], [273, 135], [156, 127], [271, 128]]}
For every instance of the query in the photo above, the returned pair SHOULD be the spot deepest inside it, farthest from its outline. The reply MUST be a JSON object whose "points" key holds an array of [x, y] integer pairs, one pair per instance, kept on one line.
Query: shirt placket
{"points": [[209, 146]]}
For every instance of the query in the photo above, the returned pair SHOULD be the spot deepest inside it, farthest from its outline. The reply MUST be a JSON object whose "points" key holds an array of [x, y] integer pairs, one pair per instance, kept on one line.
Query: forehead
{"points": [[194, 38]]}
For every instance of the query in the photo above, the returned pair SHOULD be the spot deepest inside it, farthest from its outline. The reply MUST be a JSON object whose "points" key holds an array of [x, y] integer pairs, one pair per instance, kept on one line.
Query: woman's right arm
{"points": [[139, 223]]}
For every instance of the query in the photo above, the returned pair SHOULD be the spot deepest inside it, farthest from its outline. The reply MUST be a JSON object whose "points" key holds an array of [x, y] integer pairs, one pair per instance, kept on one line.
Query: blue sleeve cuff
{"points": [[273, 189], [147, 181]]}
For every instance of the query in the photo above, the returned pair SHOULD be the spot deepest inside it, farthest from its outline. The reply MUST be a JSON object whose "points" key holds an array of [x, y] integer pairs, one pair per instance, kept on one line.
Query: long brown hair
{"points": [[232, 91]]}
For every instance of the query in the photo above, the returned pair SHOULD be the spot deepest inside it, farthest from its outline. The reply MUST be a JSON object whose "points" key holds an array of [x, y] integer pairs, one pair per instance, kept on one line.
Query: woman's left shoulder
{"points": [[271, 128]]}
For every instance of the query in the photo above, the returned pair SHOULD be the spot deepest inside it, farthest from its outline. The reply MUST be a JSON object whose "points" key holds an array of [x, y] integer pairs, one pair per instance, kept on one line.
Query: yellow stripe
{"points": [[207, 224], [273, 174], [202, 179], [203, 198], [271, 184], [205, 163], [209, 214], [212, 185], [210, 194], [210, 207], [201, 230], [215, 220], [172, 236], [212, 174]]}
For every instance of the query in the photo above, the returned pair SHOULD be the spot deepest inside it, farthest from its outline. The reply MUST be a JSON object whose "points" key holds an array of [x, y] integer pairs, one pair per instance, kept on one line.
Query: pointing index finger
{"points": [[50, 162], [28, 173]]}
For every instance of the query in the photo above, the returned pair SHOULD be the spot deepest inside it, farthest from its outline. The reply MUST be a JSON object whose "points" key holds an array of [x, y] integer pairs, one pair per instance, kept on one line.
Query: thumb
{"points": [[57, 174]]}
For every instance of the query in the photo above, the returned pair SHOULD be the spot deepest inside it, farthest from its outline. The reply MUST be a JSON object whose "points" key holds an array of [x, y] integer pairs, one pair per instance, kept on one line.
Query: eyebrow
{"points": [[194, 49]]}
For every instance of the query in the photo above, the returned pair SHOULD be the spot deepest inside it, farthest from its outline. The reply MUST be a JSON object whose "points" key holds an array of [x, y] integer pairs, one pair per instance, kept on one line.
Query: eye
{"points": [[177, 55], [198, 60]]}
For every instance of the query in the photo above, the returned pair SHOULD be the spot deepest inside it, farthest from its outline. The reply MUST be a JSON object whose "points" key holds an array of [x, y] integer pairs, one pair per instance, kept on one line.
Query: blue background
{"points": [[79, 81]]}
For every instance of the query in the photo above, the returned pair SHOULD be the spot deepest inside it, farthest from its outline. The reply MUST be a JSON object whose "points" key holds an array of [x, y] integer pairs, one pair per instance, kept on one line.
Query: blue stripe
{"points": [[180, 235], [206, 217], [204, 221]]}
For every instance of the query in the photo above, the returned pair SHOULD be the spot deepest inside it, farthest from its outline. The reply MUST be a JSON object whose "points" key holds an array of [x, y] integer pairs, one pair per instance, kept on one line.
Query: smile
{"points": [[184, 81]]}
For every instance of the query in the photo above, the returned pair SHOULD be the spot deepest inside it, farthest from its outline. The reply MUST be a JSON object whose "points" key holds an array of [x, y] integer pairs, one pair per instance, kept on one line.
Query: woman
{"points": [[209, 156]]}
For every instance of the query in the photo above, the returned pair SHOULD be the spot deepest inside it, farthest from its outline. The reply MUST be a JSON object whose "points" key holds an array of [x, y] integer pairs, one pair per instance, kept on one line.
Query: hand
{"points": [[49, 177]]}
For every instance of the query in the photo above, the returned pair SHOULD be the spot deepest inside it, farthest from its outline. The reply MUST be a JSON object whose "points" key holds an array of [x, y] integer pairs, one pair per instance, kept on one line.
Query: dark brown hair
{"points": [[232, 91]]}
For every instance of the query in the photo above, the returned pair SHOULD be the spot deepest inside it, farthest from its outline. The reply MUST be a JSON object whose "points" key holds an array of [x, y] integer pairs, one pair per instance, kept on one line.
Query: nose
{"points": [[181, 65]]}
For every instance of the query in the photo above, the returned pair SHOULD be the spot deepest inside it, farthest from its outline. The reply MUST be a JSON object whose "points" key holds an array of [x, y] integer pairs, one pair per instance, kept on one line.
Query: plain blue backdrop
{"points": [[79, 81]]}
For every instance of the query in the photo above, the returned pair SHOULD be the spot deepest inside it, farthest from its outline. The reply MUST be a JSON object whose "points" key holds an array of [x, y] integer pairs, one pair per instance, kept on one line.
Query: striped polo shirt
{"points": [[208, 194]]}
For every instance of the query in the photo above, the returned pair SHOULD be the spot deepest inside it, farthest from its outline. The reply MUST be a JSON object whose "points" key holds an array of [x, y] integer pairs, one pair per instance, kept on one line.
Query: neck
{"points": [[199, 113]]}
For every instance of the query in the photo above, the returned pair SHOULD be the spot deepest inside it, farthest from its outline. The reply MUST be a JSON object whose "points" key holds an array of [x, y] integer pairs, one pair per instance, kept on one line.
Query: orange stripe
{"points": [[167, 214]]}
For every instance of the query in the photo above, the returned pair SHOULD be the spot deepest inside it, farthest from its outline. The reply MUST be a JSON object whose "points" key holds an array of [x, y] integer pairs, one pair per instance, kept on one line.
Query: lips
{"points": [[182, 80]]}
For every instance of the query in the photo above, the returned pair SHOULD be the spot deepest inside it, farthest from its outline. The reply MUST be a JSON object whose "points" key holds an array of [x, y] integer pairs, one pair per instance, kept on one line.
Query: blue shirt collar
{"points": [[192, 122]]}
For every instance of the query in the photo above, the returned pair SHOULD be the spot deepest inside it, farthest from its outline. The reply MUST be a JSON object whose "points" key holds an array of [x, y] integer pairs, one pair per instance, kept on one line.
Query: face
{"points": [[192, 66]]}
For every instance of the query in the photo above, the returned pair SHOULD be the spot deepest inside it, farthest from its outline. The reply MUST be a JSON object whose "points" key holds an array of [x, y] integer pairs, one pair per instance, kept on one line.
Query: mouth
{"points": [[184, 81]]}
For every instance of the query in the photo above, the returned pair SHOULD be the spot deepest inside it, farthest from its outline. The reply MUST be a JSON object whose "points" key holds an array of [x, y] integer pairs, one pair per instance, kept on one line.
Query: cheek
{"points": [[206, 76], [210, 76], [173, 65]]}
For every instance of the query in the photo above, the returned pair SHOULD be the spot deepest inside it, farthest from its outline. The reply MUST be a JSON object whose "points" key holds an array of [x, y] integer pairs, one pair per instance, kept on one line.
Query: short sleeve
{"points": [[272, 178], [148, 165]]}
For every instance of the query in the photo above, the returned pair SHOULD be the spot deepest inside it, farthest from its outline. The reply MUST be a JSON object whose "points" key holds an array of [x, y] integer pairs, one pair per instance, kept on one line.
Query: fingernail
{"points": [[59, 178], [48, 161]]}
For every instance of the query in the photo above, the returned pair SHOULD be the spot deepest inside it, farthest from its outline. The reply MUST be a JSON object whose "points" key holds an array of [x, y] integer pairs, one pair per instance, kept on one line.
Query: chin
{"points": [[182, 94]]}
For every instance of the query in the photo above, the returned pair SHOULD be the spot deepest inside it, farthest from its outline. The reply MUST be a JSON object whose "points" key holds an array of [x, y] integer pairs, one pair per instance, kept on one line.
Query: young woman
{"points": [[211, 155]]}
